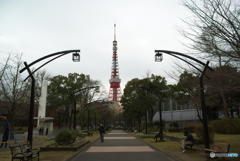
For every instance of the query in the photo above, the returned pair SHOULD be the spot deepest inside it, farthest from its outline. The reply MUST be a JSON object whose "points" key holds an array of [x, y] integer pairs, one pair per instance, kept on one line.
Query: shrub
{"points": [[150, 130], [150, 124], [173, 129], [174, 124], [157, 123], [74, 134], [227, 126], [66, 136], [200, 133], [189, 128]]}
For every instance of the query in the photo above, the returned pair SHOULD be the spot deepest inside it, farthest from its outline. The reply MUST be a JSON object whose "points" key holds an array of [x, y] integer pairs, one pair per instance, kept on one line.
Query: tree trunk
{"points": [[11, 124], [225, 105]]}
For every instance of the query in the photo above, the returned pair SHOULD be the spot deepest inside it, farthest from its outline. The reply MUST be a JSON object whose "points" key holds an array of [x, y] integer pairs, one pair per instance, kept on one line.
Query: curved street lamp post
{"points": [[75, 102], [75, 58], [162, 92], [160, 109], [159, 58]]}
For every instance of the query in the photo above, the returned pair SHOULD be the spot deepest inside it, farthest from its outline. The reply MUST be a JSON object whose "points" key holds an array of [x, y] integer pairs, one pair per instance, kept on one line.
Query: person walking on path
{"points": [[188, 140], [40, 129], [101, 131], [5, 137]]}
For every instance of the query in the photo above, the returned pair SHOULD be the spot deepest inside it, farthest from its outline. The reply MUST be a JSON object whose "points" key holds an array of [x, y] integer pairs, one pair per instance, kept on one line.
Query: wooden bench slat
{"points": [[219, 147]]}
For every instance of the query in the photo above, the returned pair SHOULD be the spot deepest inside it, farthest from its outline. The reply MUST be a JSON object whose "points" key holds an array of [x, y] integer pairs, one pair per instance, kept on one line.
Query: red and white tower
{"points": [[115, 93]]}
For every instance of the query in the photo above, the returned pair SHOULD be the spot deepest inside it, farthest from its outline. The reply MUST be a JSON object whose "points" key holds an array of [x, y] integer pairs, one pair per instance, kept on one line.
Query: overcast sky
{"points": [[41, 27]]}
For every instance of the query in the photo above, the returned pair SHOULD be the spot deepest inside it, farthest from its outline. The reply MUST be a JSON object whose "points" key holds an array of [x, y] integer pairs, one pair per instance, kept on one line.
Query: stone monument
{"points": [[43, 121]]}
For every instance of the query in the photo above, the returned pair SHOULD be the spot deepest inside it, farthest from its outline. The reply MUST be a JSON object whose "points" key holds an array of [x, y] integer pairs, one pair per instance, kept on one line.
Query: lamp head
{"points": [[158, 57], [76, 57]]}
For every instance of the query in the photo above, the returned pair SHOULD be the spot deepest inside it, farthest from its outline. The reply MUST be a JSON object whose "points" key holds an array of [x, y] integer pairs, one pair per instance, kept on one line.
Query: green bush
{"points": [[200, 133], [227, 126], [157, 123], [189, 128], [174, 124], [74, 134], [150, 124], [66, 136], [173, 129], [150, 130]]}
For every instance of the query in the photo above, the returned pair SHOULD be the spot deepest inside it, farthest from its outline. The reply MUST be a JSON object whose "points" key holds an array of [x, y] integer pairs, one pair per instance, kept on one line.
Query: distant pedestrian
{"points": [[47, 131], [40, 130], [5, 137], [101, 131]]}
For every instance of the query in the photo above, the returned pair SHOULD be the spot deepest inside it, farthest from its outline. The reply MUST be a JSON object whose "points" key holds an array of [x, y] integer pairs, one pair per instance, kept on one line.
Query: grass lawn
{"points": [[170, 147], [49, 155], [173, 147], [233, 140]]}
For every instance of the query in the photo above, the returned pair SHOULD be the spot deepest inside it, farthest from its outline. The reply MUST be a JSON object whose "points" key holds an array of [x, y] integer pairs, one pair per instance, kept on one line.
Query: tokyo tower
{"points": [[115, 93]]}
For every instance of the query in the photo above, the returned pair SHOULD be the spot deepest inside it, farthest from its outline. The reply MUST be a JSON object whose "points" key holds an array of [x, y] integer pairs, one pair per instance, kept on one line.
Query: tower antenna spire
{"points": [[114, 30]]}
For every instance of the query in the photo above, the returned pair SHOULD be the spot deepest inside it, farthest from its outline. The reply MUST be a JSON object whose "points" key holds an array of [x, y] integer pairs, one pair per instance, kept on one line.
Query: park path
{"points": [[121, 146]]}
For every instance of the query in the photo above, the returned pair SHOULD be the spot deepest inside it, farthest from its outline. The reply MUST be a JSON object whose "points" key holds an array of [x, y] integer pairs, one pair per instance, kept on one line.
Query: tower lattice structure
{"points": [[115, 93]]}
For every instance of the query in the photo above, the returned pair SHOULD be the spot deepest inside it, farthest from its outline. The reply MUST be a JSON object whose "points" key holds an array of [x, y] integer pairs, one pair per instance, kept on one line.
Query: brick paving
{"points": [[120, 149], [112, 133], [121, 146], [113, 138]]}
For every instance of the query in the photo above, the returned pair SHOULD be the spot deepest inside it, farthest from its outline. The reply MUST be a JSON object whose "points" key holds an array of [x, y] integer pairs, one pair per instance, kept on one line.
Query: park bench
{"points": [[160, 138], [190, 145], [218, 147], [34, 153], [24, 152], [16, 152]]}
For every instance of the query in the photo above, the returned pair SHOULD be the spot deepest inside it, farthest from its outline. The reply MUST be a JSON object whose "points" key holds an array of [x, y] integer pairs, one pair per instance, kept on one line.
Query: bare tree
{"points": [[14, 89], [4, 66], [40, 76], [15, 92], [214, 30], [222, 89], [214, 33]]}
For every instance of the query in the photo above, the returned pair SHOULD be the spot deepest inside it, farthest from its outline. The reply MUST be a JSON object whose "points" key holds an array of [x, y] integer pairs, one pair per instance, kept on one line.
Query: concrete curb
{"points": [[64, 148]]}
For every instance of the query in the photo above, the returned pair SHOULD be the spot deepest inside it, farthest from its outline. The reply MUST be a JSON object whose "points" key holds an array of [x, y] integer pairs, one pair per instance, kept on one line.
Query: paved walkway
{"points": [[121, 146]]}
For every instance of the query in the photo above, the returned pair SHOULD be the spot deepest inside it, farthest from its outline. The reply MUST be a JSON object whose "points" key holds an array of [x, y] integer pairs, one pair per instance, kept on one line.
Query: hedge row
{"points": [[227, 126], [223, 126], [200, 133], [185, 128]]}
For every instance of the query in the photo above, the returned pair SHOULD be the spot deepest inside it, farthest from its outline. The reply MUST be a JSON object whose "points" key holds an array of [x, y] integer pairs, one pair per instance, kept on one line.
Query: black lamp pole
{"points": [[31, 111], [27, 67], [159, 57], [159, 106], [74, 111], [160, 112], [75, 103]]}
